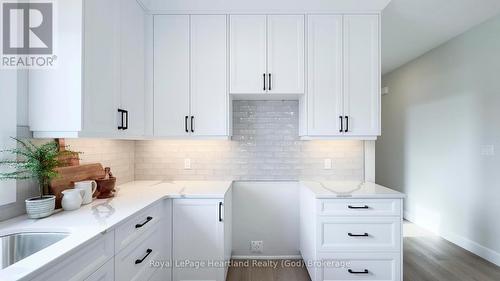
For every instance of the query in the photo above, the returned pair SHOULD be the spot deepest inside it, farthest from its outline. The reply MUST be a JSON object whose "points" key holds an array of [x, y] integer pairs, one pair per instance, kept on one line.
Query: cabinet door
{"points": [[171, 75], [101, 67], [132, 65], [209, 106], [362, 74], [324, 96], [285, 54], [247, 54], [105, 273], [198, 235]]}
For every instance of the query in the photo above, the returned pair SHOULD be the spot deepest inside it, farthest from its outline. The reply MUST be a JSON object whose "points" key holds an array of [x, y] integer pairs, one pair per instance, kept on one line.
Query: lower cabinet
{"points": [[351, 239], [201, 239], [175, 239], [83, 263], [105, 273]]}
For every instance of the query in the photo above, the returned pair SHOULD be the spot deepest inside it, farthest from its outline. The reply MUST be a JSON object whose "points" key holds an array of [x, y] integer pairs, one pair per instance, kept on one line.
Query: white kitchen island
{"points": [[351, 231]]}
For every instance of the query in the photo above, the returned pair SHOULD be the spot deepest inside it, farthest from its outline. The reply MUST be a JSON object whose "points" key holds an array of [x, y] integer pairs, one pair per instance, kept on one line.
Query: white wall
{"points": [[266, 211], [442, 113], [8, 96]]}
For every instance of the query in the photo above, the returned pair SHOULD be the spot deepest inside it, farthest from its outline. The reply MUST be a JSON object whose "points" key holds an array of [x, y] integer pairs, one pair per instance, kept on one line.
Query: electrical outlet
{"points": [[256, 246], [187, 164], [328, 164]]}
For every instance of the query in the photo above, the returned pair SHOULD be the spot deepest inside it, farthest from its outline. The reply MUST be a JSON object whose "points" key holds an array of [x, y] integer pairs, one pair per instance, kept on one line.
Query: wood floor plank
{"points": [[425, 258]]}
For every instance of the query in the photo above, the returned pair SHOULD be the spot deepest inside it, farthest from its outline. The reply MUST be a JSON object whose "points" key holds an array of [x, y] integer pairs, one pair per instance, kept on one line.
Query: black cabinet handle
{"points": [[264, 81], [220, 211], [361, 207], [358, 272], [358, 235], [148, 251], [347, 124], [270, 81], [192, 124], [126, 120], [139, 225], [341, 124], [121, 126], [186, 124]]}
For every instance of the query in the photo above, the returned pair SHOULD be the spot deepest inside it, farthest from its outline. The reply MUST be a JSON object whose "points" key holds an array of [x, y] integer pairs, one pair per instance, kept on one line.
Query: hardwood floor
{"points": [[426, 258]]}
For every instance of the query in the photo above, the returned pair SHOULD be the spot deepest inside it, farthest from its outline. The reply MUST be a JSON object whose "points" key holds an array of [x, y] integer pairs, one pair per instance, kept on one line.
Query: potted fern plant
{"points": [[38, 163]]}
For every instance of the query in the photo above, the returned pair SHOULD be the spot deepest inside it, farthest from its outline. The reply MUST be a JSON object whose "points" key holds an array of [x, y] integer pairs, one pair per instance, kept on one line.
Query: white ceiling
{"points": [[410, 28]]}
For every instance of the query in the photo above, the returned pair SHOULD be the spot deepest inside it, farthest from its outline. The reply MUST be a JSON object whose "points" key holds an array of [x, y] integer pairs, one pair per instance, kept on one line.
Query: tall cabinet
{"points": [[190, 77], [96, 88], [267, 54], [343, 98]]}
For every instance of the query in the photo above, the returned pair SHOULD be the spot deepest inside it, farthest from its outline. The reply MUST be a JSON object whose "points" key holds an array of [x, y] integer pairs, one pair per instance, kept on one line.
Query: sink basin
{"points": [[17, 246]]}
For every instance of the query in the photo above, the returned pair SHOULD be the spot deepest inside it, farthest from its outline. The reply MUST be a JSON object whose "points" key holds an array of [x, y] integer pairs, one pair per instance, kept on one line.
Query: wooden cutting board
{"points": [[69, 175]]}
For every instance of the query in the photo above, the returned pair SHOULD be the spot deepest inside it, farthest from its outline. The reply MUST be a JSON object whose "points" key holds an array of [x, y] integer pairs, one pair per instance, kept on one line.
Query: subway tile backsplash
{"points": [[265, 146]]}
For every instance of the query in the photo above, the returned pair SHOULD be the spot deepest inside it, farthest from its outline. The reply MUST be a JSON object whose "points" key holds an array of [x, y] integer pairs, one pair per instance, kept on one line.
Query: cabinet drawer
{"points": [[80, 264], [366, 266], [133, 263], [137, 225], [359, 234], [360, 207]]}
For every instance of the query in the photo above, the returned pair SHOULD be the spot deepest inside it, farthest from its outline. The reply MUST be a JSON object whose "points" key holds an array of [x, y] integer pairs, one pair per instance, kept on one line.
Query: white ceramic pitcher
{"points": [[89, 187], [72, 199]]}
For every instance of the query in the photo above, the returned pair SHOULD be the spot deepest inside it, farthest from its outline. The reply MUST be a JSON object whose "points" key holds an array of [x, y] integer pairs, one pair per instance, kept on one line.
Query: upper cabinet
{"points": [[266, 54], [97, 86], [343, 98], [362, 75], [190, 71]]}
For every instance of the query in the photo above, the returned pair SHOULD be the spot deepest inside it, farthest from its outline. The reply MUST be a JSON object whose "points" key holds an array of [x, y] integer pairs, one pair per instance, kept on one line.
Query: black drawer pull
{"points": [[220, 211], [358, 272], [347, 124], [341, 124], [359, 207], [264, 80], [149, 251], [358, 235], [139, 225], [186, 124]]}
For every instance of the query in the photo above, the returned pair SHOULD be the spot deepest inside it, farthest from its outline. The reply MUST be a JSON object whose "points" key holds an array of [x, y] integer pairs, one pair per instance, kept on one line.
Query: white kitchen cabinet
{"points": [[132, 70], [248, 54], [324, 95], [82, 263], [362, 74], [209, 99], [285, 54], [98, 71], [105, 273], [171, 72], [201, 232], [190, 85], [267, 54], [354, 239], [343, 98]]}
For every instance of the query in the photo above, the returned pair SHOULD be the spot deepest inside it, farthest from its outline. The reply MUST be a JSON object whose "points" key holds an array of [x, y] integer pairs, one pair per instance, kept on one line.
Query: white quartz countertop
{"points": [[350, 189], [101, 215]]}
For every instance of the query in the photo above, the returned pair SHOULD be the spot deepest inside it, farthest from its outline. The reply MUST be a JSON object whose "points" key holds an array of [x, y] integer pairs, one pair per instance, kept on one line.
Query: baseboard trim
{"points": [[469, 245], [288, 257]]}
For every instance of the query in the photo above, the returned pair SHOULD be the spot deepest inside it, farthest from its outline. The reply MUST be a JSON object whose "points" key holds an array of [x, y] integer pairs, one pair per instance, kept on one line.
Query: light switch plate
{"points": [[487, 150], [328, 164], [187, 164]]}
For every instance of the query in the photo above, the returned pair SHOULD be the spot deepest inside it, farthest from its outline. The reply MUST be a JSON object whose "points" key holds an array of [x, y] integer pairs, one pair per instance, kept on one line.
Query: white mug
{"points": [[72, 199], [89, 187]]}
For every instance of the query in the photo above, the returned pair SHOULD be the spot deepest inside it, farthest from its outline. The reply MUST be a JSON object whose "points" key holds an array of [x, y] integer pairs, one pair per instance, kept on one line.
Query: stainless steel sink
{"points": [[18, 246]]}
